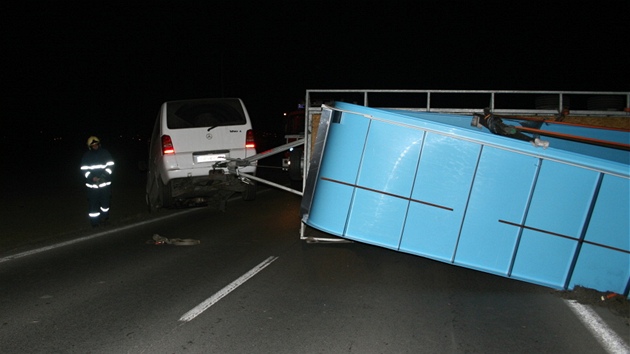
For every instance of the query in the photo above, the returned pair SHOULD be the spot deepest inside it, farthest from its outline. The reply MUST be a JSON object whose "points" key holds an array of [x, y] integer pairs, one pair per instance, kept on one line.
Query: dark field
{"points": [[44, 197]]}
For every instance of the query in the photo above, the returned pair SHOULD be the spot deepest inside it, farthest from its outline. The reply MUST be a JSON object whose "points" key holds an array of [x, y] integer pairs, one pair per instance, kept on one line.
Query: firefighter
{"points": [[97, 167]]}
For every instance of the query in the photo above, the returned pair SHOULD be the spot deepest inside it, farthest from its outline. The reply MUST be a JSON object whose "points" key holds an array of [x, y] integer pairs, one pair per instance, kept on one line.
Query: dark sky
{"points": [[93, 66]]}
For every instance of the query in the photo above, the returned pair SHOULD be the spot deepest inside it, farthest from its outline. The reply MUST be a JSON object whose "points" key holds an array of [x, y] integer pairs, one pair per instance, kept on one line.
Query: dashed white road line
{"points": [[611, 342], [188, 316]]}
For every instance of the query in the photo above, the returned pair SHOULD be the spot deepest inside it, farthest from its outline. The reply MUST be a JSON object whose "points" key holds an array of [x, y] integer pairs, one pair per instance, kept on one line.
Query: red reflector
{"points": [[249, 139], [167, 145]]}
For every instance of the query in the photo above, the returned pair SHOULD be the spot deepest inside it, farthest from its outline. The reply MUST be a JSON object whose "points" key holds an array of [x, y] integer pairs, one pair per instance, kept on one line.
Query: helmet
{"points": [[93, 141]]}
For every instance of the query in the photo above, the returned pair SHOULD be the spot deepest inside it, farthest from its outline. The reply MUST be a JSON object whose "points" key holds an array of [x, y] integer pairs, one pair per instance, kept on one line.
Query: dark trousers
{"points": [[98, 204]]}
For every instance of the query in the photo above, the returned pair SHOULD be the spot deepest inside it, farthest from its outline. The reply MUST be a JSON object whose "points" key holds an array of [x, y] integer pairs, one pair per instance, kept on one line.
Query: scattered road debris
{"points": [[161, 240], [616, 303]]}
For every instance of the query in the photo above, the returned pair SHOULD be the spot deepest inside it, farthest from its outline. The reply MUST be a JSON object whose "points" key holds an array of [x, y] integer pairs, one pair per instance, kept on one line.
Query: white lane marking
{"points": [[226, 290], [611, 342], [48, 248], [103, 233]]}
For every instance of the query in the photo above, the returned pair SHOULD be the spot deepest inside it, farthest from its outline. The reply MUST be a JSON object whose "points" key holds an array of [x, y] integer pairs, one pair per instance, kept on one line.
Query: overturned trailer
{"points": [[538, 195], [520, 197]]}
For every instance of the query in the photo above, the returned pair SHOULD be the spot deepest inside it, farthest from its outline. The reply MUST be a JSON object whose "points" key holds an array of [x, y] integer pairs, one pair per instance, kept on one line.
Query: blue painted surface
{"points": [[331, 206], [376, 218], [348, 137], [604, 261], [395, 166], [432, 185], [499, 196], [547, 256], [559, 189], [602, 269], [437, 208], [543, 259], [610, 223]]}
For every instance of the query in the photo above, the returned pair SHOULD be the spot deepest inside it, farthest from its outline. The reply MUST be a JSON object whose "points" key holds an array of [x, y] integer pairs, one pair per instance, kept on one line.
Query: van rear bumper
{"points": [[206, 186], [169, 175]]}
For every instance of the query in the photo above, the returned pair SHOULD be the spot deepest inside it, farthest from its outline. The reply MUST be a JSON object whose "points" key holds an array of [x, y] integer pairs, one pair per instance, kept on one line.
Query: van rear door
{"points": [[205, 131]]}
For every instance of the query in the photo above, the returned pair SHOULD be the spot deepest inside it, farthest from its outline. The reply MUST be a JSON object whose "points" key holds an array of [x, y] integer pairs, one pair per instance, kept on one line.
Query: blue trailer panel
{"points": [[436, 186]]}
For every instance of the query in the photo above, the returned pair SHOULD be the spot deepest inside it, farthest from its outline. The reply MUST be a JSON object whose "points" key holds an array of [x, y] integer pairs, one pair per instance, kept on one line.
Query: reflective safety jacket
{"points": [[97, 163]]}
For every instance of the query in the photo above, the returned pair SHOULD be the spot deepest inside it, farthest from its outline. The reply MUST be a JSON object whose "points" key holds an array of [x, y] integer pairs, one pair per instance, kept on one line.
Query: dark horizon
{"points": [[103, 68]]}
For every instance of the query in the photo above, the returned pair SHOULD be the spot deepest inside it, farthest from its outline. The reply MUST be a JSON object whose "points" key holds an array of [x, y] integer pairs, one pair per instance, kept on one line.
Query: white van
{"points": [[191, 140]]}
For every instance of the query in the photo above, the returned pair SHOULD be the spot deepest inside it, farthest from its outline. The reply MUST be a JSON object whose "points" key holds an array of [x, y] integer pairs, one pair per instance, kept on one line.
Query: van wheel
{"points": [[152, 197], [151, 208], [164, 191], [249, 193]]}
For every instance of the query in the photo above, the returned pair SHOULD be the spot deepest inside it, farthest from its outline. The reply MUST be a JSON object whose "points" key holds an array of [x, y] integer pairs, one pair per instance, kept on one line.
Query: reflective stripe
{"points": [[104, 210], [94, 215], [109, 170], [97, 167], [97, 186], [87, 174]]}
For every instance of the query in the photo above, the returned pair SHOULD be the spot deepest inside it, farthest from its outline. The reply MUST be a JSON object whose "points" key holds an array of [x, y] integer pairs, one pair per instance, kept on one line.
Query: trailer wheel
{"points": [[295, 166]]}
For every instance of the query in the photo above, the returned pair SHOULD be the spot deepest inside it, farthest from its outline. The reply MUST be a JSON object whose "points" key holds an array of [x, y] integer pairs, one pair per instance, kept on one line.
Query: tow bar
{"points": [[233, 165]]}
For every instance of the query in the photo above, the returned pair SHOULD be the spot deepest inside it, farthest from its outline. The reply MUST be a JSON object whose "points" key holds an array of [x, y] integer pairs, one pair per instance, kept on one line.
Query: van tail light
{"points": [[167, 145], [249, 140]]}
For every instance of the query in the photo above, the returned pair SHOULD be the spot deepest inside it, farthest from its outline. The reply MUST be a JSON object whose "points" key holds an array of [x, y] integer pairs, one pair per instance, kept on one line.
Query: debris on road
{"points": [[616, 303], [161, 240]]}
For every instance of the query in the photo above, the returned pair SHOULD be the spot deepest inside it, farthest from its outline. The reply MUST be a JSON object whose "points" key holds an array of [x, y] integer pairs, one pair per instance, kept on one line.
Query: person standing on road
{"points": [[97, 167]]}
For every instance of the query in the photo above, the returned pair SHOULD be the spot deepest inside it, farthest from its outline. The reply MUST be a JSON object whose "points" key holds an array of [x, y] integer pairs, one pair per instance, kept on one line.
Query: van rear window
{"points": [[204, 113]]}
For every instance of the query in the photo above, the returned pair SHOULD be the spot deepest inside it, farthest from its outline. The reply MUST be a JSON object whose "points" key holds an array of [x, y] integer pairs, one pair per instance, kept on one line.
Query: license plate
{"points": [[211, 158]]}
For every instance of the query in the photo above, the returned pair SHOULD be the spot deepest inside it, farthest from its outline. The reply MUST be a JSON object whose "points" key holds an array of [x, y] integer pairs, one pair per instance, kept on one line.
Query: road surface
{"points": [[251, 286]]}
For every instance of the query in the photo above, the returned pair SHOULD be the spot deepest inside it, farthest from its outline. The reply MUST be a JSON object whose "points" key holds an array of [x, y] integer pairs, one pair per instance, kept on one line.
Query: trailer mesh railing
{"points": [[474, 101], [501, 102]]}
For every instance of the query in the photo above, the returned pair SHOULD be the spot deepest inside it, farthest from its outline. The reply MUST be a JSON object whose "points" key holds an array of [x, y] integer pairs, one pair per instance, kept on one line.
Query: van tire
{"points": [[165, 194], [151, 208], [152, 198]]}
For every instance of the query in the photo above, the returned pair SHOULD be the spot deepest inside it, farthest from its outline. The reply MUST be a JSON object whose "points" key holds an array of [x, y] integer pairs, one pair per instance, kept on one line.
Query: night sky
{"points": [[75, 68]]}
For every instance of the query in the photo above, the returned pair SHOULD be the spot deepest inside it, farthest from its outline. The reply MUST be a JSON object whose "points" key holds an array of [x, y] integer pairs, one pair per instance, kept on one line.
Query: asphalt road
{"points": [[253, 287]]}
